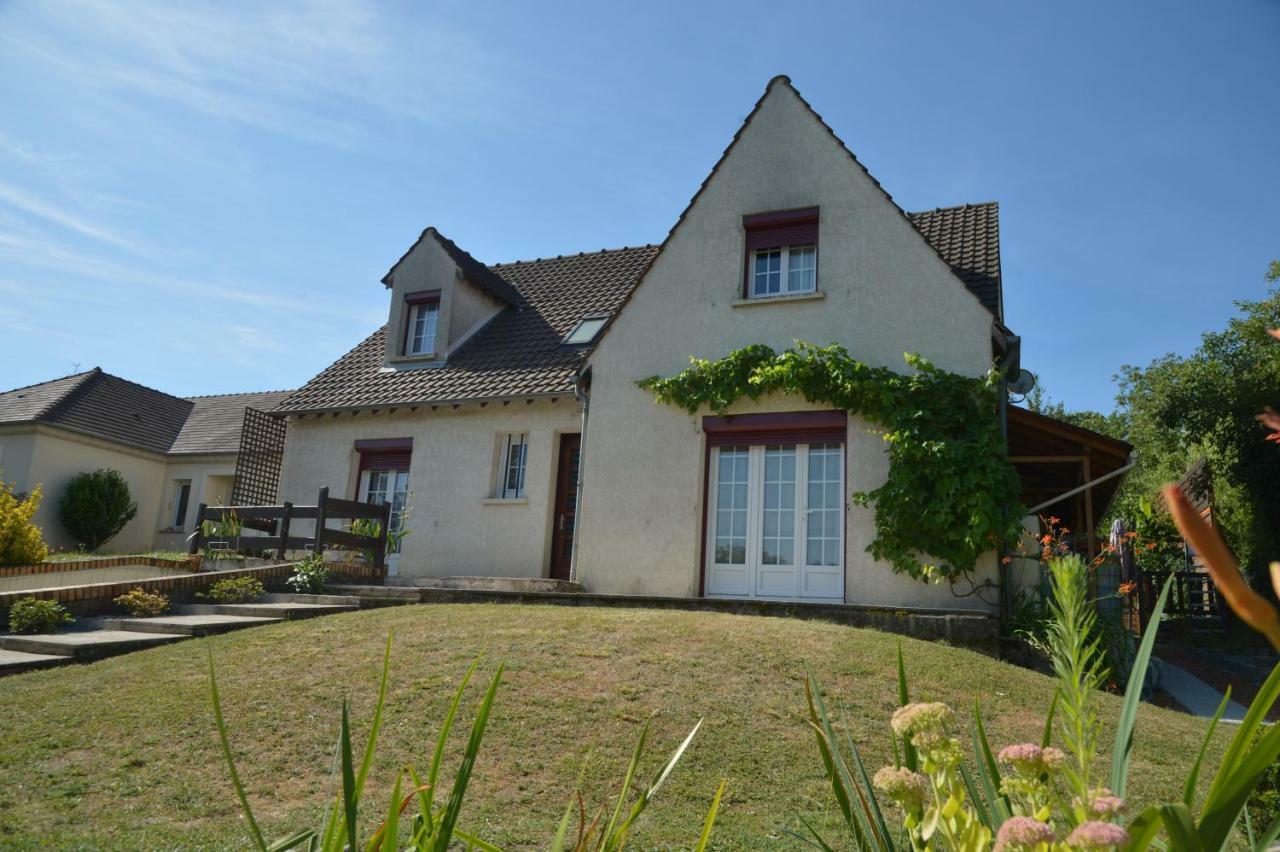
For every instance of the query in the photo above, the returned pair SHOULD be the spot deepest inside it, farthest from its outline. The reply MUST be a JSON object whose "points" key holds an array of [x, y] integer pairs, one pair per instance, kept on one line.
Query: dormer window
{"points": [[585, 331], [782, 253], [422, 317]]}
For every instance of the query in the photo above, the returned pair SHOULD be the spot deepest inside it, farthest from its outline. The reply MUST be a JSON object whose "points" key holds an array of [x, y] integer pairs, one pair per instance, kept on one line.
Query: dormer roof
{"points": [[473, 270]]}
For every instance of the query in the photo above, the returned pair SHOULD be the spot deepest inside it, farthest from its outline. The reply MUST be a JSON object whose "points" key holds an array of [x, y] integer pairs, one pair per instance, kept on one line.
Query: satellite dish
{"points": [[1023, 383]]}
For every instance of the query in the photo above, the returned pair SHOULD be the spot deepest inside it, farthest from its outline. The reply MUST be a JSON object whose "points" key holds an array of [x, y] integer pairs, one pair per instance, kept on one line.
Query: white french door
{"points": [[392, 486], [775, 522]]}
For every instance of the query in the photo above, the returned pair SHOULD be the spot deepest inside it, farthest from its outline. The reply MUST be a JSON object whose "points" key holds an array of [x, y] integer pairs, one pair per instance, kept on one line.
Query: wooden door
{"points": [[566, 506]]}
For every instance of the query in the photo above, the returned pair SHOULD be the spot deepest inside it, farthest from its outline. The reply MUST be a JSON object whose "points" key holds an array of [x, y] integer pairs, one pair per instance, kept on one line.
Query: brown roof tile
{"points": [[518, 354], [968, 239], [215, 421]]}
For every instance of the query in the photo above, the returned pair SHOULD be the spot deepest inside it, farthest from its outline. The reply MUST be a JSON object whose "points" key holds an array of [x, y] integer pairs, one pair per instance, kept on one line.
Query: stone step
{"points": [[380, 595], [12, 662], [87, 644], [268, 609], [289, 597], [487, 584], [190, 625]]}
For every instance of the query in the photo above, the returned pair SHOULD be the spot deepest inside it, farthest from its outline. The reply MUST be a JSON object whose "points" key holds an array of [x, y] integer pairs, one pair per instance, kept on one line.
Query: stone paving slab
{"points": [[268, 609], [12, 662], [190, 625], [1198, 697], [88, 644]]}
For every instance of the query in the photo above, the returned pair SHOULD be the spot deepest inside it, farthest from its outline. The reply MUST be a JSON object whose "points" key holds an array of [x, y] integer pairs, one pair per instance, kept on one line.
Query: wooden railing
{"points": [[275, 523]]}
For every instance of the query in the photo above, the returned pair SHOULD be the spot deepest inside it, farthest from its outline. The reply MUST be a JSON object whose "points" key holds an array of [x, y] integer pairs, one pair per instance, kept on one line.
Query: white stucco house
{"points": [[498, 406], [175, 453]]}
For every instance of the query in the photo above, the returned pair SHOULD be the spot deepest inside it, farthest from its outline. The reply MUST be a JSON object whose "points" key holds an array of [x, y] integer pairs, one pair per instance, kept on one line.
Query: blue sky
{"points": [[203, 198]]}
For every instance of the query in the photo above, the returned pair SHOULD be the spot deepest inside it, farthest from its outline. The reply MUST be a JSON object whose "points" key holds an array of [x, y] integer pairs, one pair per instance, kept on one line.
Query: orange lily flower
{"points": [[1253, 608]]}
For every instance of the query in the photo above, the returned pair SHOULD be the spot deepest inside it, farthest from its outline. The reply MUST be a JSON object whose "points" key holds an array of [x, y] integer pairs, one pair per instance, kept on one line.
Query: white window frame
{"points": [[594, 322], [784, 271], [513, 461], [803, 580], [177, 522], [424, 344]]}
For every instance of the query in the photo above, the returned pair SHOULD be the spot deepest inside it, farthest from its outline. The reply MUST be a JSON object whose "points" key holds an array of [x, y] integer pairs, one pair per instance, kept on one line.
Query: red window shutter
{"points": [[385, 453], [798, 427], [784, 228]]}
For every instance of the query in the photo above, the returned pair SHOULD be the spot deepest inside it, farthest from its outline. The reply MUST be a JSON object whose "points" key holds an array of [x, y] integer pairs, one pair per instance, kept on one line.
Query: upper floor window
{"points": [[782, 253], [422, 315], [585, 331]]}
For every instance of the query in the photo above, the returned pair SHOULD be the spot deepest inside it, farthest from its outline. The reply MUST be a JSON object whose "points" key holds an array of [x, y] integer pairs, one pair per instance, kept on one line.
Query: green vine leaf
{"points": [[951, 494]]}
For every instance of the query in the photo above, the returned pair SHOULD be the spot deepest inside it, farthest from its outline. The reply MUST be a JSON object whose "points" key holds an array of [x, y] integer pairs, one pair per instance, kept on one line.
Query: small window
{"points": [[181, 499], [514, 459], [585, 331], [421, 319], [781, 271], [782, 253]]}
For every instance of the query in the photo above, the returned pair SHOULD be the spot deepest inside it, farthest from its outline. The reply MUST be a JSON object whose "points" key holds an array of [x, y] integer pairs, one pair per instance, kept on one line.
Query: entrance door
{"points": [[378, 486], [566, 506], [775, 521]]}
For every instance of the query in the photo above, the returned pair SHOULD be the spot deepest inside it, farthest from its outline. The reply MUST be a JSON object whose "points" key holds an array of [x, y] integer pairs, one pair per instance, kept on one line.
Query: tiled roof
{"points": [[968, 239], [518, 354], [215, 421], [22, 405], [104, 406], [124, 412]]}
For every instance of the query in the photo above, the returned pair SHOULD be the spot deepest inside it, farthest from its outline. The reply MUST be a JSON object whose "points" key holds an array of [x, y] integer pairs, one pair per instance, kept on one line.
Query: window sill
{"points": [[505, 501], [409, 362], [773, 300]]}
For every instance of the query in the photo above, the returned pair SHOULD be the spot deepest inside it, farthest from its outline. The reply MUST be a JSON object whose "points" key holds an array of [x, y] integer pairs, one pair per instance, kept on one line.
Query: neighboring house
{"points": [[175, 453], [499, 404]]}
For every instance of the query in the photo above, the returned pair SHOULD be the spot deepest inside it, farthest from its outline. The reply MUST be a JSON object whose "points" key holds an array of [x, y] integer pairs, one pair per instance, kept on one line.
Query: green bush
{"points": [[310, 577], [236, 590], [96, 506], [31, 615], [143, 604], [20, 539]]}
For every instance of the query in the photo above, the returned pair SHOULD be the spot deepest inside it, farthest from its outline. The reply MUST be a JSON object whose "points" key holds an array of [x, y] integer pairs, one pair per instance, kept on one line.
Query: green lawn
{"points": [[123, 753]]}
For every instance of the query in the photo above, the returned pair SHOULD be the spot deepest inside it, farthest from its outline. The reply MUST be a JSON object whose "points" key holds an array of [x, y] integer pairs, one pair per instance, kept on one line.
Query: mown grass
{"points": [[123, 753]]}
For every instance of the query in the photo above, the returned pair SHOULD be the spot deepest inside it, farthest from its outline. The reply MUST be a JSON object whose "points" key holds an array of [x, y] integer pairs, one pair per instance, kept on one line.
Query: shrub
{"points": [[20, 539], [31, 615], [310, 577], [96, 506], [143, 604], [235, 591]]}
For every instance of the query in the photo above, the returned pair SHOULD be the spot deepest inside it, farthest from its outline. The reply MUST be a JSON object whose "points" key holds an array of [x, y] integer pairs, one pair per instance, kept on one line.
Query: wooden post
{"points": [[284, 531], [321, 508], [195, 539], [1088, 505], [380, 549]]}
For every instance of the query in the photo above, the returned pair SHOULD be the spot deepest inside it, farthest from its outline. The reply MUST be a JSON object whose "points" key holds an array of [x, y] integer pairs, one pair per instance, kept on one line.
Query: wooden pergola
{"points": [[1066, 471]]}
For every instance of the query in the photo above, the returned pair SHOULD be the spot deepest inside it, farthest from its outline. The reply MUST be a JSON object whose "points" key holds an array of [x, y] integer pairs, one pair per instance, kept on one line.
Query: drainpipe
{"points": [[582, 391]]}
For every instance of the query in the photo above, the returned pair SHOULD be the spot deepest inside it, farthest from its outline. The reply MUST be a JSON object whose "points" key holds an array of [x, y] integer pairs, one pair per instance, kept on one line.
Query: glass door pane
{"points": [[776, 571], [731, 506], [823, 573]]}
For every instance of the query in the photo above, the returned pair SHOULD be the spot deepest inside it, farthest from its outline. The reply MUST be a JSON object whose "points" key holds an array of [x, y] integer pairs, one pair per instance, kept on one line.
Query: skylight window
{"points": [[585, 331]]}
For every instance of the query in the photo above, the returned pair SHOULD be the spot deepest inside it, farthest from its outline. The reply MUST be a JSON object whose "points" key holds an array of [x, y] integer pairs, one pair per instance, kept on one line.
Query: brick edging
{"points": [[96, 562]]}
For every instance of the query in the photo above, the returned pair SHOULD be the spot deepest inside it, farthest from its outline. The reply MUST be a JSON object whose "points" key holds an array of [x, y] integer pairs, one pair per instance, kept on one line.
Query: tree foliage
{"points": [[951, 494], [1178, 409], [96, 506], [20, 540]]}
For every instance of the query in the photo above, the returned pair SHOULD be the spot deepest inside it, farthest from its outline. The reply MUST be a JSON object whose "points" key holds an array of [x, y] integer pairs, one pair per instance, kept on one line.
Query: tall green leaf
{"points": [[1193, 777], [1181, 828], [350, 802], [1222, 809], [711, 819], [449, 819], [1132, 695], [254, 832], [433, 771], [618, 839], [908, 750], [989, 773], [1253, 719], [627, 779]]}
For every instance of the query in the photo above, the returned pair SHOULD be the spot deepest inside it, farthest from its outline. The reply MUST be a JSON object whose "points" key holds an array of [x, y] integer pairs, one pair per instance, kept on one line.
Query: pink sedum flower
{"points": [[1031, 760], [905, 787], [1097, 835], [1106, 805], [921, 716], [1022, 832]]}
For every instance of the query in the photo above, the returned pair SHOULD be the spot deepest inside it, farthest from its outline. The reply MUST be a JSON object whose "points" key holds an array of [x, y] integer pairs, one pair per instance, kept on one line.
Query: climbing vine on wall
{"points": [[951, 494]]}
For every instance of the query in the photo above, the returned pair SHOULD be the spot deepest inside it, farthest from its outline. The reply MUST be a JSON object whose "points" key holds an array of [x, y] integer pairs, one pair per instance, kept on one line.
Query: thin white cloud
{"points": [[44, 209]]}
